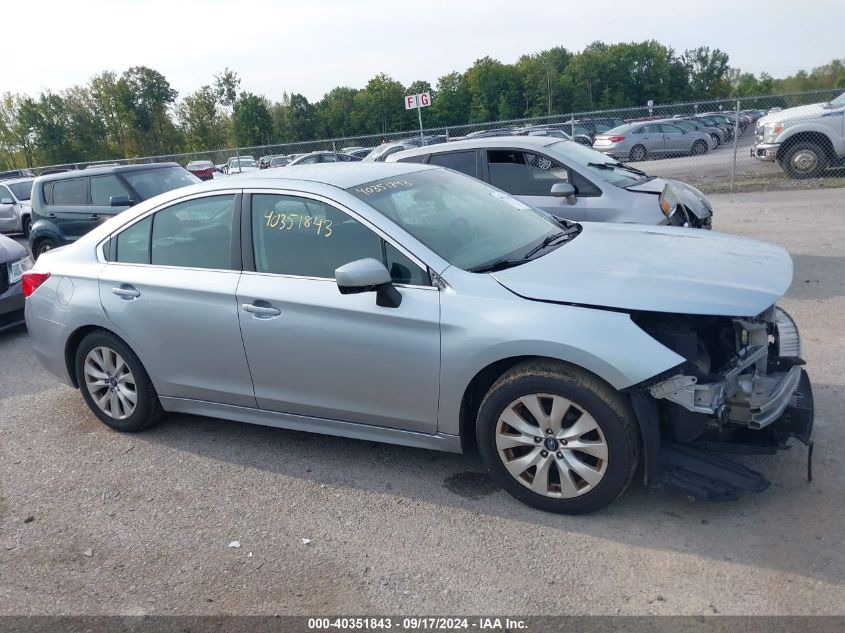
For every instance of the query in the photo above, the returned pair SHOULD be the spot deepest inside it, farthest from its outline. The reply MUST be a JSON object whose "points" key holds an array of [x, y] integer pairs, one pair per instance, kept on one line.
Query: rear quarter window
{"points": [[70, 192]]}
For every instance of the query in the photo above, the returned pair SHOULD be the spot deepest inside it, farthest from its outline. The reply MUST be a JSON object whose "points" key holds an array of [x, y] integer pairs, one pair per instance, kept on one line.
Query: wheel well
{"points": [[73, 344], [819, 138], [480, 385]]}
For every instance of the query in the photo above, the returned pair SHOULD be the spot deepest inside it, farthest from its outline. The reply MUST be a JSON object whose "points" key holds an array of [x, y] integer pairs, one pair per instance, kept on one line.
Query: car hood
{"points": [[10, 250], [691, 197], [656, 269], [799, 112]]}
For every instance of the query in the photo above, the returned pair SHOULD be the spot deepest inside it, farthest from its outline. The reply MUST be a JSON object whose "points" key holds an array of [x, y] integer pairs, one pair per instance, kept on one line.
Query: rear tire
{"points": [[41, 246], [699, 148], [573, 409], [638, 153], [716, 138], [114, 383], [805, 160]]}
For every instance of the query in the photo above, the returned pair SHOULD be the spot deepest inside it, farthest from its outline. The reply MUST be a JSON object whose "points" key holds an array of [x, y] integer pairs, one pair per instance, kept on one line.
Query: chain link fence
{"points": [[708, 144]]}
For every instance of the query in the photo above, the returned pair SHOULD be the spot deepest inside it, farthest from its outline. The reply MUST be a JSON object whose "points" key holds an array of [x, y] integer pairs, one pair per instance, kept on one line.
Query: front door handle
{"points": [[93, 216], [126, 292], [260, 311]]}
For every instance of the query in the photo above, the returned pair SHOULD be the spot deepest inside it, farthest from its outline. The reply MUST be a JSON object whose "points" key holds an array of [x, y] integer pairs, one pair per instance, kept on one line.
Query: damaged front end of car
{"points": [[741, 390]]}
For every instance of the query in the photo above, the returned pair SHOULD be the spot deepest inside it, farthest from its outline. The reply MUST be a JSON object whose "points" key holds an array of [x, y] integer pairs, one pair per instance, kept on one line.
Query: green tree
{"points": [[453, 101], [253, 123], [379, 107], [495, 91], [204, 124], [707, 71], [18, 118], [333, 113]]}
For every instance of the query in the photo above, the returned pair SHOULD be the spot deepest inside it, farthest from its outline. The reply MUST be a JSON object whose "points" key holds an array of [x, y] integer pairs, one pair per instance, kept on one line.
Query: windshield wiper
{"points": [[551, 239], [617, 166], [497, 264], [510, 262]]}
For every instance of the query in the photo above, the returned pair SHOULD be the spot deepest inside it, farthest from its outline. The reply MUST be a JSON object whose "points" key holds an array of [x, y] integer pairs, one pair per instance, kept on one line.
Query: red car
{"points": [[202, 169]]}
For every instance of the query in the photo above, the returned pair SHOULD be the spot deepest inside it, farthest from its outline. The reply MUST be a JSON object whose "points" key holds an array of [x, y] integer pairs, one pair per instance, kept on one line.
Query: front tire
{"points": [[558, 438], [26, 225], [805, 160], [114, 383]]}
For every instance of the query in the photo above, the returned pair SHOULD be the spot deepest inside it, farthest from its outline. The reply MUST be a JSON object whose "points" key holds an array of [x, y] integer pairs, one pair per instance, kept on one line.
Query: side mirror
{"points": [[121, 201], [7, 201], [368, 275], [564, 190]]}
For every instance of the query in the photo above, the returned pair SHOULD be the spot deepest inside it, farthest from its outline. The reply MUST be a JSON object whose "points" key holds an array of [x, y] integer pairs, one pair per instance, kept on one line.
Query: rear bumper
{"points": [[765, 151], [49, 340]]}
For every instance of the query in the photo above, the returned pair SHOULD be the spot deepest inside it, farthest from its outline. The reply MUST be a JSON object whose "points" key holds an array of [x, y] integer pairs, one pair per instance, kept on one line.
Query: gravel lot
{"points": [[94, 522]]}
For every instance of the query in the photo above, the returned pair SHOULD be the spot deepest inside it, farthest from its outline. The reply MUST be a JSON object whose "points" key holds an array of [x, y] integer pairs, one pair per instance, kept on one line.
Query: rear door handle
{"points": [[260, 311], [126, 292], [93, 216]]}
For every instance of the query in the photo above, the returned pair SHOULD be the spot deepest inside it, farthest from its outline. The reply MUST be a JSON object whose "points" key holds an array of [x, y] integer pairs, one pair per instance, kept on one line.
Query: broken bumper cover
{"points": [[698, 470]]}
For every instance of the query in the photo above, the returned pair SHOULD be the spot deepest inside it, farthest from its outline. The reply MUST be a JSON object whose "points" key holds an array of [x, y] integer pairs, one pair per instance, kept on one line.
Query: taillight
{"points": [[616, 139], [32, 281]]}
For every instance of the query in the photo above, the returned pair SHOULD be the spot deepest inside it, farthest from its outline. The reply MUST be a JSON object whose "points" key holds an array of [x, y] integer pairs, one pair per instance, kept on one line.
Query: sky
{"points": [[311, 46]]}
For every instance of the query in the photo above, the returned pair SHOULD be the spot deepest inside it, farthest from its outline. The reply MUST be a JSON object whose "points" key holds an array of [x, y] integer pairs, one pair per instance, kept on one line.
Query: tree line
{"points": [[138, 113]]}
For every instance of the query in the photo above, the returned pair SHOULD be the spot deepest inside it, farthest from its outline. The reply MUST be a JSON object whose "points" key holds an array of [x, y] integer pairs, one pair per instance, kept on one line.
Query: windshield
{"points": [[22, 190], [840, 100], [151, 182], [588, 159], [244, 162], [463, 220]]}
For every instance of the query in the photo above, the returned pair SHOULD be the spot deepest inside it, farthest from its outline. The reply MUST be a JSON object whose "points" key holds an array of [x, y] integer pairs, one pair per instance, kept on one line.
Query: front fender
{"points": [[477, 331]]}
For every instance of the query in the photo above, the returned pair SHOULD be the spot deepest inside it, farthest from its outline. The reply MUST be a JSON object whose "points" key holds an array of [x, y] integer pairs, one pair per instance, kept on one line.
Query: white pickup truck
{"points": [[805, 140]]}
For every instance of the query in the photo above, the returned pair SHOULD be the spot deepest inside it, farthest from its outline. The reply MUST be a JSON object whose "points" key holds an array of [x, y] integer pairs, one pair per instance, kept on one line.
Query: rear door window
{"points": [[194, 234], [70, 192], [524, 173], [463, 162]]}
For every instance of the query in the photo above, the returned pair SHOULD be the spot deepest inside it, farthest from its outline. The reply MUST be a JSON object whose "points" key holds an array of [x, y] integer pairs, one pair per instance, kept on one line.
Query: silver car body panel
{"points": [[338, 364], [735, 276]]}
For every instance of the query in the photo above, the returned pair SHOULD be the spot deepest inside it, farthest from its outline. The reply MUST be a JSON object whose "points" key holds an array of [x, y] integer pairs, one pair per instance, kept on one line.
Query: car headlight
{"points": [[17, 268], [771, 130]]}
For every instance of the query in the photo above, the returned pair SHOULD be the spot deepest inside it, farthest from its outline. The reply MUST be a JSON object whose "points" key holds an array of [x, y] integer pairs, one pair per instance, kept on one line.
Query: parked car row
{"points": [[407, 303]]}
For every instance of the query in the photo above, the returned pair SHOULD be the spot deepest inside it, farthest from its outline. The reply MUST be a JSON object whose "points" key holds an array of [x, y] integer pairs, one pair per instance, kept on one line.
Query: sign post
{"points": [[418, 101]]}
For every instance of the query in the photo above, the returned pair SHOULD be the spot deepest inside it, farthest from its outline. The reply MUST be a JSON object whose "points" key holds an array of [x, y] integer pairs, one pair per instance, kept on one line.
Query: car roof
{"points": [[97, 171], [477, 143], [341, 175], [14, 181]]}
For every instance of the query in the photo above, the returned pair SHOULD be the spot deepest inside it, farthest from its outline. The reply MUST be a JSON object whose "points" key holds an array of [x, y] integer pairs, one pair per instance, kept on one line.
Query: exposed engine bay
{"points": [[742, 388]]}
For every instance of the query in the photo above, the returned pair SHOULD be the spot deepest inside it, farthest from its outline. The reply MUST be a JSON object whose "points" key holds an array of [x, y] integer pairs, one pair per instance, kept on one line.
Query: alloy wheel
{"points": [[551, 445], [110, 383], [804, 161]]}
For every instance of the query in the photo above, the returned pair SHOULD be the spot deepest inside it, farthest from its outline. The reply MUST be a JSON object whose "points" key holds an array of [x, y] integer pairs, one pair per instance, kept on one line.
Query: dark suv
{"points": [[66, 206]]}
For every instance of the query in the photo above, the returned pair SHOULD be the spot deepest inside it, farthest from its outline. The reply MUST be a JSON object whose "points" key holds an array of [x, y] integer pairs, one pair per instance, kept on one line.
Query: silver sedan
{"points": [[411, 304], [638, 141]]}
